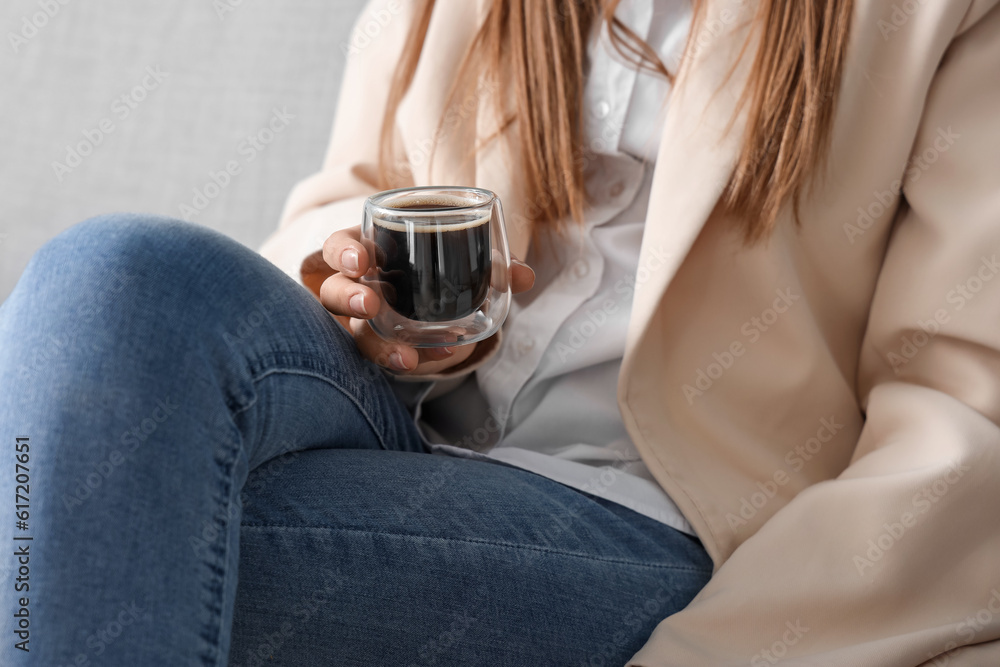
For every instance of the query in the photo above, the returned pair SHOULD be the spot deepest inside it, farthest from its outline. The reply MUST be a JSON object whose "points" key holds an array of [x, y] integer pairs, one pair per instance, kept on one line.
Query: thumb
{"points": [[522, 276]]}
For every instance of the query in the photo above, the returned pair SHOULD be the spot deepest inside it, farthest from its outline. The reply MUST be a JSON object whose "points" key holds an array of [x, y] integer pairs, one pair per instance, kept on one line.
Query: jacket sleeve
{"points": [[332, 199], [909, 572]]}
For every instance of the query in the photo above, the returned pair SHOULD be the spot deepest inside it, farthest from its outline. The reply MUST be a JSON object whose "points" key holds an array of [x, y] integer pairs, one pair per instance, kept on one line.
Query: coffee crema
{"points": [[429, 202]]}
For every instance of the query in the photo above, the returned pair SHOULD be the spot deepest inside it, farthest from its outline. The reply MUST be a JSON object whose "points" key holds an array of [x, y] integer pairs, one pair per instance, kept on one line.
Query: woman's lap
{"points": [[158, 363], [372, 557]]}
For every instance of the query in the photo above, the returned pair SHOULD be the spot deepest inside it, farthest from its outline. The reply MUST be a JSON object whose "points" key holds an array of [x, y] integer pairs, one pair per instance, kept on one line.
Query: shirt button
{"points": [[617, 189], [581, 268], [523, 346], [602, 109]]}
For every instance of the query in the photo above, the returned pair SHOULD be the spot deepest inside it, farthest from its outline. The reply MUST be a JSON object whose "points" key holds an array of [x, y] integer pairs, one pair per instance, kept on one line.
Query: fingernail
{"points": [[447, 351], [350, 259], [396, 361], [358, 304]]}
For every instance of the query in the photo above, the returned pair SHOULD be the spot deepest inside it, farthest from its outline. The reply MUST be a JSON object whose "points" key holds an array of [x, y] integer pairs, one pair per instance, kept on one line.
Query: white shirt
{"points": [[547, 400]]}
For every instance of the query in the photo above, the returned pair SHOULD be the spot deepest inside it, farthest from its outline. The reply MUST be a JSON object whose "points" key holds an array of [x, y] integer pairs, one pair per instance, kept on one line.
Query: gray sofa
{"points": [[133, 105]]}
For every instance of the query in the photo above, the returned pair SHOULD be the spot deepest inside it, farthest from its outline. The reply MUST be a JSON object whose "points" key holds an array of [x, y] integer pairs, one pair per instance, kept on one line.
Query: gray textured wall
{"points": [[227, 72]]}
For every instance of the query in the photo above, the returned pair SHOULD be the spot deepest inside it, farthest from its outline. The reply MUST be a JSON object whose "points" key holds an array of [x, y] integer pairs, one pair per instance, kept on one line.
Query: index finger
{"points": [[345, 253]]}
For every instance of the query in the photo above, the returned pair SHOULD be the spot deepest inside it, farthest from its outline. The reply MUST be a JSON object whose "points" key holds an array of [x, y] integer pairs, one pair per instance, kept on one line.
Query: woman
{"points": [[779, 219]]}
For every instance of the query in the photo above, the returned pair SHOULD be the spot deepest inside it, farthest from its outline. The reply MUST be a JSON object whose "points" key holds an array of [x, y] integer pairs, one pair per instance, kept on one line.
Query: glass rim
{"points": [[375, 202]]}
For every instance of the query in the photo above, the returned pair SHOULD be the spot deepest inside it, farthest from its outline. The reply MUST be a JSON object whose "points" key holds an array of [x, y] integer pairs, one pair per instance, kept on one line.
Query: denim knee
{"points": [[115, 248], [107, 262], [136, 280]]}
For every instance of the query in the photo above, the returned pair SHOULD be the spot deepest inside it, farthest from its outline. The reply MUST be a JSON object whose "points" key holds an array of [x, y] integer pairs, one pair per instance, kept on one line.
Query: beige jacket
{"points": [[824, 408]]}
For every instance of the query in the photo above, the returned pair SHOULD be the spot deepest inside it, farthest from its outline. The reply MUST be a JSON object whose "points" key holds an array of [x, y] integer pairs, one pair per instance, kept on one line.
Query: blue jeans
{"points": [[215, 476]]}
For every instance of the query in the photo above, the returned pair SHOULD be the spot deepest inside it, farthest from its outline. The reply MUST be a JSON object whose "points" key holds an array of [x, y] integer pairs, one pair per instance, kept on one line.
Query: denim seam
{"points": [[485, 542], [297, 371], [281, 359], [225, 466]]}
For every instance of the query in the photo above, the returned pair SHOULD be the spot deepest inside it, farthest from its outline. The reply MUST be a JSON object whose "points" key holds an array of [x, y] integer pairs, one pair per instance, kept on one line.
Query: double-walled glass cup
{"points": [[439, 263]]}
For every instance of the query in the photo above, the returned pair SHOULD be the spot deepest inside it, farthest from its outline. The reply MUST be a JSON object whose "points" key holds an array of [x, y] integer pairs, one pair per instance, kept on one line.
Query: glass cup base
{"points": [[398, 329]]}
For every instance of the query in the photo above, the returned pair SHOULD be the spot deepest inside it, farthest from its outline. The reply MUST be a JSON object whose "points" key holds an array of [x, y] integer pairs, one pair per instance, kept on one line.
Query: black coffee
{"points": [[434, 272]]}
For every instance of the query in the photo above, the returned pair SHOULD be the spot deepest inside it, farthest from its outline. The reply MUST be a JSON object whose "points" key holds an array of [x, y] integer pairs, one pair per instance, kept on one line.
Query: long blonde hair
{"points": [[535, 50]]}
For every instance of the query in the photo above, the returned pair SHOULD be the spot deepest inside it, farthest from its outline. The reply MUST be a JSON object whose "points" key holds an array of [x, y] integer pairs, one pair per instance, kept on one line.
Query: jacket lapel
{"points": [[438, 139], [698, 151]]}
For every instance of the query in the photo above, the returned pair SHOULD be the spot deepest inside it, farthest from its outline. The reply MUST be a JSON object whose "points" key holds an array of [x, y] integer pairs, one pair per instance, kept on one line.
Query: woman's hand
{"points": [[353, 303]]}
